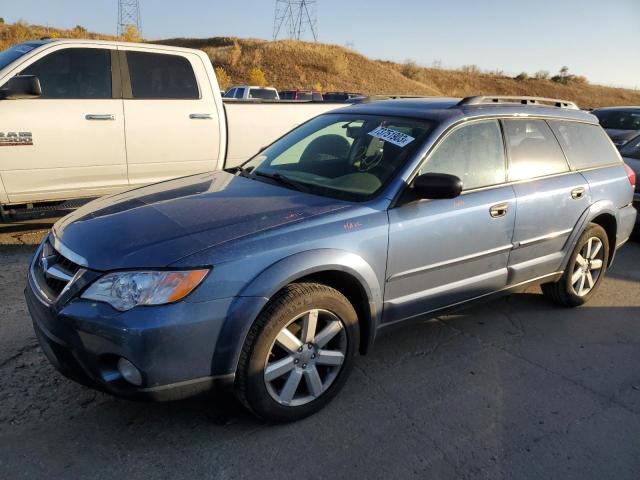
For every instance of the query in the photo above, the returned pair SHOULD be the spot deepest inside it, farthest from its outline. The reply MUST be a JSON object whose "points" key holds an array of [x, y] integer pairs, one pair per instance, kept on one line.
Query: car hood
{"points": [[157, 225], [619, 137]]}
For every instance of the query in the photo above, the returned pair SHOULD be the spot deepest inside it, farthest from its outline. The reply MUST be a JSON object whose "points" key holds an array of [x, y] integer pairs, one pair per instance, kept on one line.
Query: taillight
{"points": [[631, 175]]}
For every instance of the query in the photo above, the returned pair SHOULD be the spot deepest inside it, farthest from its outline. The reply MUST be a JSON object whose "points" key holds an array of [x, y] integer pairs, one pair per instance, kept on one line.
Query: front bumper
{"points": [[173, 346]]}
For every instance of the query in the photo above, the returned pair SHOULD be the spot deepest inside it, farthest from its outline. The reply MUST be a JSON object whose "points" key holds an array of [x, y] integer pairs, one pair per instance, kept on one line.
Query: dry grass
{"points": [[291, 64]]}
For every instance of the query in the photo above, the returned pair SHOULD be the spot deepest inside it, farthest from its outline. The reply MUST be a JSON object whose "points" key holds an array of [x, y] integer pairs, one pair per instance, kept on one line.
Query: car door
{"points": [[550, 198], [442, 252], [172, 123], [76, 128]]}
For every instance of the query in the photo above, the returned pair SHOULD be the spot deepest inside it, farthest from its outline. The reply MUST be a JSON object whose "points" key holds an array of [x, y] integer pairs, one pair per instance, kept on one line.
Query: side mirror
{"points": [[21, 86], [437, 185]]}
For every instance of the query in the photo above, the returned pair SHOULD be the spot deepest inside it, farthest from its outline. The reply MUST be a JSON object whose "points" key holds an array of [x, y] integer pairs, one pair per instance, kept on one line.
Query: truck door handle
{"points": [[95, 116], [577, 193], [200, 116], [499, 210]]}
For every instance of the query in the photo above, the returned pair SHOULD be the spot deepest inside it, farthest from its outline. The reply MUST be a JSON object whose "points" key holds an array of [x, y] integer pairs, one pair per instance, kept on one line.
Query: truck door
{"points": [[172, 124], [72, 137]]}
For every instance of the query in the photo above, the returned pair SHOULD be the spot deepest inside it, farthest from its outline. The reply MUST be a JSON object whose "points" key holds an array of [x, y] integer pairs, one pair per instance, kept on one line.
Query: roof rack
{"points": [[541, 101]]}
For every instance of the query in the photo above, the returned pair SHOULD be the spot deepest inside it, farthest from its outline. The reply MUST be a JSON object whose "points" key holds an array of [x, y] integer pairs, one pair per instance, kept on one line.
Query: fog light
{"points": [[129, 372]]}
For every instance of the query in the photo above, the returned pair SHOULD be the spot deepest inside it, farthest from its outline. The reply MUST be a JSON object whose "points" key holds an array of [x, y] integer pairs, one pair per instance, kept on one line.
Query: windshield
{"points": [[619, 119], [346, 156], [263, 93], [13, 53], [632, 148]]}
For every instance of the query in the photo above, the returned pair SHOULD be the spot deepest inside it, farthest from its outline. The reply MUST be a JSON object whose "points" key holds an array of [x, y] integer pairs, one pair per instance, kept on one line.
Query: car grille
{"points": [[53, 271]]}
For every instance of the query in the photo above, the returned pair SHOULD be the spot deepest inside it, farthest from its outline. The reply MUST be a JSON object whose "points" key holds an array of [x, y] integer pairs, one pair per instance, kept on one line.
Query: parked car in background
{"points": [[247, 92], [305, 95], [340, 96], [269, 277], [84, 118], [631, 156], [620, 123]]}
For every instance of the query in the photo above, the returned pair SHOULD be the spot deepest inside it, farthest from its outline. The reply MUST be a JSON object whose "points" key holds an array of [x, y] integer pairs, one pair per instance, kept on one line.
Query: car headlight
{"points": [[125, 290]]}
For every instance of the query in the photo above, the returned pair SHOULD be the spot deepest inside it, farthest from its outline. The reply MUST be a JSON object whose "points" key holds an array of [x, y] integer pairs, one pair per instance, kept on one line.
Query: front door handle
{"points": [[577, 193], [96, 116], [499, 210], [200, 116]]}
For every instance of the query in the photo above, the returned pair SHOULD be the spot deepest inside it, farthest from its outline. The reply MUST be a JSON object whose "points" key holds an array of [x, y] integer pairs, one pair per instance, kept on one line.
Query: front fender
{"points": [[255, 295]]}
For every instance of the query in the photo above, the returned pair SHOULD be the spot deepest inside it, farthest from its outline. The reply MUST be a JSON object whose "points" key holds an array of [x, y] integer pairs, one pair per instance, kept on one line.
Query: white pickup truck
{"points": [[84, 118]]}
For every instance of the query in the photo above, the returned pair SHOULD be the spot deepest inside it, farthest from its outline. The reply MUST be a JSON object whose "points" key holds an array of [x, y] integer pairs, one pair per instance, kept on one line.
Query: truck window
{"points": [[585, 145], [239, 93], [157, 75], [263, 93], [533, 150], [74, 73]]}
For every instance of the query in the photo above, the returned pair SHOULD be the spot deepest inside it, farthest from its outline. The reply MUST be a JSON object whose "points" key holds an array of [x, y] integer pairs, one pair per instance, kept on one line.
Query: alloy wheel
{"points": [[305, 358], [588, 266]]}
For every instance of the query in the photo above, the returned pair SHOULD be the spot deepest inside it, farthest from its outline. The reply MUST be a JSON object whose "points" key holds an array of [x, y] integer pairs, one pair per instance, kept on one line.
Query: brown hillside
{"points": [[292, 64]]}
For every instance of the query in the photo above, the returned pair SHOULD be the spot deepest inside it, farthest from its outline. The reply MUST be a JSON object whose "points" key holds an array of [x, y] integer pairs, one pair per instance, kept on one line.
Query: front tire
{"points": [[585, 270], [298, 354]]}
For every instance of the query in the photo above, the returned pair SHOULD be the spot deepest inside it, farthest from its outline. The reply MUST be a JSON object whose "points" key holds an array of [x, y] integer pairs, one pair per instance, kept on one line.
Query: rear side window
{"points": [[474, 153], [585, 145], [74, 73], [156, 75], [533, 150], [263, 93]]}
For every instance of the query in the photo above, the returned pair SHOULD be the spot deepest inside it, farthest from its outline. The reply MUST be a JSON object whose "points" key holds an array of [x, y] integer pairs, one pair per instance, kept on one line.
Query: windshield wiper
{"points": [[282, 180], [240, 170]]}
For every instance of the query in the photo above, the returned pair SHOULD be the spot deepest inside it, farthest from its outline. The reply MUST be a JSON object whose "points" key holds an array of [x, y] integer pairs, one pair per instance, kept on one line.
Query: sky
{"points": [[595, 38]]}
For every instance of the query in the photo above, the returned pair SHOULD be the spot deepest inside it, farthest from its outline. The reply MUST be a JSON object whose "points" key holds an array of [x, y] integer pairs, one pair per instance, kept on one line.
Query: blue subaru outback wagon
{"points": [[269, 277]]}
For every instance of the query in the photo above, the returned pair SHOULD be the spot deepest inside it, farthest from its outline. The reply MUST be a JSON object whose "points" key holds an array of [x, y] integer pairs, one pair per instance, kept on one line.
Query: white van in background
{"points": [[83, 118], [248, 92]]}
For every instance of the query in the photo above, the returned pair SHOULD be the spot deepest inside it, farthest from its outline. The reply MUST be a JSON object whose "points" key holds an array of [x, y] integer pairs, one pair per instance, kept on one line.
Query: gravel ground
{"points": [[517, 388]]}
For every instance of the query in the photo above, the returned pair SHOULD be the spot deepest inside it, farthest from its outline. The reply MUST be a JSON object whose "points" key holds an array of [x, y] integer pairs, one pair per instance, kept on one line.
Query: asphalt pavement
{"points": [[515, 389]]}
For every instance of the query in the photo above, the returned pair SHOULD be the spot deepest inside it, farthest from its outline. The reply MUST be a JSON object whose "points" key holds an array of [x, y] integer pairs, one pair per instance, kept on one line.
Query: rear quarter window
{"points": [[585, 145]]}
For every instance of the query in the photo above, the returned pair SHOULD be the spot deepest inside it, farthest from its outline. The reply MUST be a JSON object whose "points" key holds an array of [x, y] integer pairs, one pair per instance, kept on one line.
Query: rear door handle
{"points": [[200, 116], [577, 193], [499, 210], [96, 116]]}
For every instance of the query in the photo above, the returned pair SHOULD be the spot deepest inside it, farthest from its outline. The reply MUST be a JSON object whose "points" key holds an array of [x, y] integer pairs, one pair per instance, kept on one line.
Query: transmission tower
{"points": [[294, 17], [129, 14]]}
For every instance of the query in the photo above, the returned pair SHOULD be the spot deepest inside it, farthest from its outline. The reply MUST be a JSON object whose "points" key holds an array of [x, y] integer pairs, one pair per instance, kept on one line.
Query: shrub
{"points": [[521, 76], [470, 69], [410, 69], [1, 21], [256, 77], [224, 79], [234, 54], [541, 75], [131, 34]]}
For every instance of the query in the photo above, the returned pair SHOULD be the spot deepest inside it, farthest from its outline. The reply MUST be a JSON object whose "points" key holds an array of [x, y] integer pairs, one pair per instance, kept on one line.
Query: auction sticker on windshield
{"points": [[392, 136]]}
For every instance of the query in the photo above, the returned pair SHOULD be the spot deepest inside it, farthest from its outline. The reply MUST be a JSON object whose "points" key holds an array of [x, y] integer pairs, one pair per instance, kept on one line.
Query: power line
{"points": [[129, 14], [294, 17]]}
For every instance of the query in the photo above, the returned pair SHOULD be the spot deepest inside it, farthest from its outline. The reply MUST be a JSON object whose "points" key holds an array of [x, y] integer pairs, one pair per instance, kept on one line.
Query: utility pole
{"points": [[294, 17], [129, 14]]}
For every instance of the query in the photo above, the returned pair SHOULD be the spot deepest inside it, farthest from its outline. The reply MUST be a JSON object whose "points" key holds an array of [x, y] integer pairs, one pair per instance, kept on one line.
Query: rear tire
{"points": [[585, 270], [298, 354]]}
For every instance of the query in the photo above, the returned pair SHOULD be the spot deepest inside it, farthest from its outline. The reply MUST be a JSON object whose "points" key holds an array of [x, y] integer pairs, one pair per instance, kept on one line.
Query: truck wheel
{"points": [[585, 270], [298, 354]]}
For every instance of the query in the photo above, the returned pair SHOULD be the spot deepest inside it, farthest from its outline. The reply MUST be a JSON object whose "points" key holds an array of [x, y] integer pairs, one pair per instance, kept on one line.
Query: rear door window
{"points": [[585, 145], [533, 150], [474, 153], [161, 76], [74, 73]]}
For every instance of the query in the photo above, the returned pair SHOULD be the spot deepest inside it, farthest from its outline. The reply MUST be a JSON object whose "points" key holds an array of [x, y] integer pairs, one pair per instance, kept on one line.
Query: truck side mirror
{"points": [[21, 86], [437, 185]]}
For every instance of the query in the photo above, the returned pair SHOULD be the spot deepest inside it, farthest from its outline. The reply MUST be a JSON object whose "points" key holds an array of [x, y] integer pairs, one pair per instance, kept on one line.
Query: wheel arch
{"points": [[345, 271]]}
